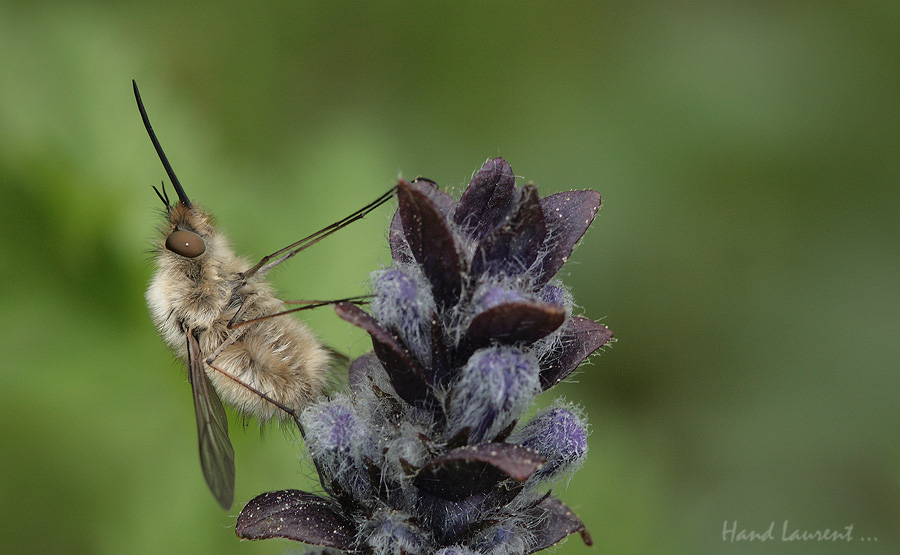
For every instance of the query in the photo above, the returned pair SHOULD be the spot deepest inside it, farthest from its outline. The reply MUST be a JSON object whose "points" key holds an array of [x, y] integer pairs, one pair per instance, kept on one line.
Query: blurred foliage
{"points": [[746, 257]]}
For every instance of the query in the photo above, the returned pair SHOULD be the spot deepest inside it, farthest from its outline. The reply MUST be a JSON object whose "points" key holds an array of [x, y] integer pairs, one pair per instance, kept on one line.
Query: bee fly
{"points": [[215, 311]]}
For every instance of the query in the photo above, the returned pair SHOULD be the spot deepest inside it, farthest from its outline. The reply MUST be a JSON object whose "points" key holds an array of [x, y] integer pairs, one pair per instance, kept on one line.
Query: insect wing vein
{"points": [[216, 452]]}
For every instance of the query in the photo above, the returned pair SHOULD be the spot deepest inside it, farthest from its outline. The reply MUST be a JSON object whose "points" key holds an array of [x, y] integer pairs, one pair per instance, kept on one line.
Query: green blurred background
{"points": [[746, 256]]}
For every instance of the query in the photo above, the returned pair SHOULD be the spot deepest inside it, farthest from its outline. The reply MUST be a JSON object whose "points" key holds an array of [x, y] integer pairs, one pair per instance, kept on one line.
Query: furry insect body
{"points": [[215, 311], [205, 295]]}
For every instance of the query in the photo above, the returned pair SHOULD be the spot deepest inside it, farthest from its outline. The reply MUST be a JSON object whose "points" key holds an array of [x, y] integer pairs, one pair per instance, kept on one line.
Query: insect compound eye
{"points": [[185, 243]]}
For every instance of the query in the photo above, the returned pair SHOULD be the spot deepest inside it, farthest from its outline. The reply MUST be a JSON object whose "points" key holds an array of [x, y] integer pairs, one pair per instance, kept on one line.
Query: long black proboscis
{"points": [[159, 150]]}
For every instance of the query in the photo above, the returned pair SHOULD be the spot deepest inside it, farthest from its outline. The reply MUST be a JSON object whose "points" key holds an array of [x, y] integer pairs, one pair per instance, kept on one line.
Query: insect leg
{"points": [[233, 336], [289, 411], [307, 305], [279, 256]]}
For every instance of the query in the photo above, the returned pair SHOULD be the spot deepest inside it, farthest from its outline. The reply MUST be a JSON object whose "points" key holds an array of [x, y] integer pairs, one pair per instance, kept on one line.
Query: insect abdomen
{"points": [[279, 357]]}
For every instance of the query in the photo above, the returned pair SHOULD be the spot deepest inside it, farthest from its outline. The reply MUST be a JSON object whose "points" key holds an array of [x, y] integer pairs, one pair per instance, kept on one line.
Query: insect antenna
{"points": [[164, 196], [159, 150], [279, 256]]}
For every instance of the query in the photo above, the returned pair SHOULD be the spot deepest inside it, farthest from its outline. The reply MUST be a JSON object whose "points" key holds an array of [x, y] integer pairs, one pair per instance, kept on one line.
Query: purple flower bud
{"points": [[456, 550], [493, 388], [406, 449], [402, 303], [560, 436], [504, 539], [554, 295], [395, 534], [339, 442], [497, 296], [331, 427]]}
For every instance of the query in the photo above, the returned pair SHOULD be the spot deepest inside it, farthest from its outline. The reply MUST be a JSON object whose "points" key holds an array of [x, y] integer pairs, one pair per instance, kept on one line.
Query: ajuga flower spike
{"points": [[425, 453]]}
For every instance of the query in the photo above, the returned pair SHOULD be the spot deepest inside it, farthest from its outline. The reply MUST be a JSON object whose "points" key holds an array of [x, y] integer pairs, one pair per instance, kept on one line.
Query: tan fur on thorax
{"points": [[279, 356]]}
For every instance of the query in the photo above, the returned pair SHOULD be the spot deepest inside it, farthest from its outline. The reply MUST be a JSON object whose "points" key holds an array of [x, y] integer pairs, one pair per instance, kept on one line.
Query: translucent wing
{"points": [[338, 363], [216, 453]]}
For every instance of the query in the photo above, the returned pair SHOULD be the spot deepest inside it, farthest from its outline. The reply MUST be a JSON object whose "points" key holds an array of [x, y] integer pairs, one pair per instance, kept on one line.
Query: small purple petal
{"points": [[405, 374], [296, 515], [441, 354], [444, 202], [567, 216], [467, 471], [511, 248], [556, 522], [487, 200], [400, 250], [431, 243], [510, 323], [579, 338]]}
